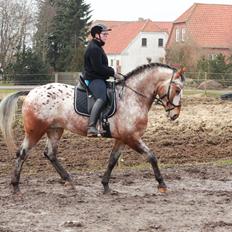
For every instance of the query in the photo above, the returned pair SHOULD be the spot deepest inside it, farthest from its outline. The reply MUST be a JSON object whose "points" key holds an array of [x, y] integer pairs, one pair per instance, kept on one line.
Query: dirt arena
{"points": [[195, 157]]}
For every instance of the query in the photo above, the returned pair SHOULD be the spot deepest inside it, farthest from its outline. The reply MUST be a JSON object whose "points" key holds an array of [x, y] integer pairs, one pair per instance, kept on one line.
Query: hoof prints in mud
{"points": [[198, 197], [219, 226], [135, 205]]}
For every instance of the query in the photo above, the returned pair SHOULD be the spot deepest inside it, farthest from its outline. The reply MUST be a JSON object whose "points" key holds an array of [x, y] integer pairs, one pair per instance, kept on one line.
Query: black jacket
{"points": [[96, 62]]}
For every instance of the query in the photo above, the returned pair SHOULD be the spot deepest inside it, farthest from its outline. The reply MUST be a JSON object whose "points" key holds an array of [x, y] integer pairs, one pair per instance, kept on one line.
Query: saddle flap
{"points": [[83, 102]]}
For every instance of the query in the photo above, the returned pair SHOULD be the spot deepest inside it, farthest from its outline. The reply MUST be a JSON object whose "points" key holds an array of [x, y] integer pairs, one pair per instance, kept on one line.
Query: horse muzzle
{"points": [[173, 114], [174, 117]]}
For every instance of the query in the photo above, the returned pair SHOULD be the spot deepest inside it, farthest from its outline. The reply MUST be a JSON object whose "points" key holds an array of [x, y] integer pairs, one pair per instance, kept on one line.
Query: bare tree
{"points": [[16, 27], [45, 15]]}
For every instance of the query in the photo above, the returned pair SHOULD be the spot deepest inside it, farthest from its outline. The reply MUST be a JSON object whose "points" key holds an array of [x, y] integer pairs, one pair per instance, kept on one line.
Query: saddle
{"points": [[84, 101]]}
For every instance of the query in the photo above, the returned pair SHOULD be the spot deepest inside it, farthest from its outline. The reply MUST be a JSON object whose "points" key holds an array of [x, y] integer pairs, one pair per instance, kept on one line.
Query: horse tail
{"points": [[7, 115]]}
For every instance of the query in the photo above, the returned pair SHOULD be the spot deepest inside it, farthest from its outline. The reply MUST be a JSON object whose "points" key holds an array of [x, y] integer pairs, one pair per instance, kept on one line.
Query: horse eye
{"points": [[177, 91]]}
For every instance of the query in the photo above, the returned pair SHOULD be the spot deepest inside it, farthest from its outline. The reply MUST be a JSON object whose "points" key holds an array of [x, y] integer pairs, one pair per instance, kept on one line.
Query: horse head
{"points": [[170, 92]]}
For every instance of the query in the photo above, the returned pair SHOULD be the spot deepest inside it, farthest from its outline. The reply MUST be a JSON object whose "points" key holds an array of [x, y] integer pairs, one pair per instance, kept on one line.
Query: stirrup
{"points": [[93, 132]]}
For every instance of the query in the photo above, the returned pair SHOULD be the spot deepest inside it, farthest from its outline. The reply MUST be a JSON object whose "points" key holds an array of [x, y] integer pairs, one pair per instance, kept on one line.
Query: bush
{"points": [[27, 69]]}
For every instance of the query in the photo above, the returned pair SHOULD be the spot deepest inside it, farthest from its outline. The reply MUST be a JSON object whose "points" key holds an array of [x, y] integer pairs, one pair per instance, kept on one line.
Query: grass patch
{"points": [[146, 165], [6, 84], [223, 162], [7, 91]]}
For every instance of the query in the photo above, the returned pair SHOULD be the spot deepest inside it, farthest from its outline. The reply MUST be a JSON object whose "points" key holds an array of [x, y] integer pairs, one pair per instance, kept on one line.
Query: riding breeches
{"points": [[98, 89]]}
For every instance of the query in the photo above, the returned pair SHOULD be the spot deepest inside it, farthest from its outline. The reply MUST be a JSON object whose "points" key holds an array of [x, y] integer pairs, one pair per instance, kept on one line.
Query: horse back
{"points": [[52, 104]]}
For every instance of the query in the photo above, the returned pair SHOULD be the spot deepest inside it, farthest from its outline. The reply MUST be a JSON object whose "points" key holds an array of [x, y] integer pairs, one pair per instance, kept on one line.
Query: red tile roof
{"points": [[210, 25], [166, 26], [110, 23], [123, 32]]}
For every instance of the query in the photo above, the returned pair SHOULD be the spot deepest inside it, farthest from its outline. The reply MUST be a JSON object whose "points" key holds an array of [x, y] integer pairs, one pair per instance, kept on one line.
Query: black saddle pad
{"points": [[81, 102]]}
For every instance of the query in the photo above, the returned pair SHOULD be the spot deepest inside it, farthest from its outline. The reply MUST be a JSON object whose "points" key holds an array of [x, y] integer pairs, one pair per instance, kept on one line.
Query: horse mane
{"points": [[139, 69]]}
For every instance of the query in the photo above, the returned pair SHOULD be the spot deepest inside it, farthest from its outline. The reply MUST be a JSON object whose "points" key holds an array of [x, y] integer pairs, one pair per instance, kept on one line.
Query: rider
{"points": [[96, 71]]}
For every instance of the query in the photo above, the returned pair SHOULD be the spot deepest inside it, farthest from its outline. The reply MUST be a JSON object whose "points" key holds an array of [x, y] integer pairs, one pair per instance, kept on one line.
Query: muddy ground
{"points": [[195, 157]]}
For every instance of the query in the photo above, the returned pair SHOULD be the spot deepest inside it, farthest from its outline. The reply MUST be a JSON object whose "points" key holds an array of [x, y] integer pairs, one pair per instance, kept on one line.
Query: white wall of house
{"points": [[115, 61], [136, 54]]}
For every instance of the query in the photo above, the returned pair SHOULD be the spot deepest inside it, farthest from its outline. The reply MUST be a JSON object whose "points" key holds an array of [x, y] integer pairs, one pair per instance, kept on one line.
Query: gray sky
{"points": [[156, 10]]}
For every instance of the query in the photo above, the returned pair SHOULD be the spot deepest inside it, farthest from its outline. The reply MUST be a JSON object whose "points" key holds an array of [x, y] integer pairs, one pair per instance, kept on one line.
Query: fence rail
{"points": [[39, 79], [194, 80]]}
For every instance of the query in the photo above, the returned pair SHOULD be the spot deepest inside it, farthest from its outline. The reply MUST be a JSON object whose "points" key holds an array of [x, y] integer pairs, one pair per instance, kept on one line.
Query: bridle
{"points": [[157, 100]]}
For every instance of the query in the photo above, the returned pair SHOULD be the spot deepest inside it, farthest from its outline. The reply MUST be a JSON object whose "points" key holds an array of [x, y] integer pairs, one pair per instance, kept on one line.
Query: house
{"points": [[206, 27], [131, 44]]}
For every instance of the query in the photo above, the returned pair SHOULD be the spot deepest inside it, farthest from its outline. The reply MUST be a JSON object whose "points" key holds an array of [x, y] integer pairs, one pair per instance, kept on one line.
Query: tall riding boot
{"points": [[95, 113]]}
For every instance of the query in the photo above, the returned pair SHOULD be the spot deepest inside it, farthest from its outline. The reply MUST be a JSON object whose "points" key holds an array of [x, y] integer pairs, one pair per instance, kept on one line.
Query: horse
{"points": [[49, 110]]}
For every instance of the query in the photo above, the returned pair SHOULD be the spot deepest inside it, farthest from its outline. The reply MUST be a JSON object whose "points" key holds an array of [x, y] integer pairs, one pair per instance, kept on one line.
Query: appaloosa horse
{"points": [[49, 109]]}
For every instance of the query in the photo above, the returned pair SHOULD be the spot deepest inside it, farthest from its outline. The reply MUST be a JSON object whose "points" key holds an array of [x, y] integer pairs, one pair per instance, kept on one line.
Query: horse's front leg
{"points": [[114, 156], [140, 146]]}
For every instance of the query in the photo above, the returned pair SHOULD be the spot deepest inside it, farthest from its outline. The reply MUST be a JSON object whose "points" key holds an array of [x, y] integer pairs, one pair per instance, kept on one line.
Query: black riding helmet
{"points": [[98, 29]]}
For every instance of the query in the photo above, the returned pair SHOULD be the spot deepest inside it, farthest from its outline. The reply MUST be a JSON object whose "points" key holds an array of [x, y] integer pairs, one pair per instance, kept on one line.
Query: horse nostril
{"points": [[174, 117]]}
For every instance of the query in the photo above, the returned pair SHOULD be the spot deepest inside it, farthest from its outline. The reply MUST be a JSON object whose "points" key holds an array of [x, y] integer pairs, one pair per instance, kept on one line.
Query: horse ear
{"points": [[180, 72]]}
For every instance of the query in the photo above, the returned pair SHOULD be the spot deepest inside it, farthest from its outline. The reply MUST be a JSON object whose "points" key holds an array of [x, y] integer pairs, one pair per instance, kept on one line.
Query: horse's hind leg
{"points": [[54, 135], [21, 155], [114, 156]]}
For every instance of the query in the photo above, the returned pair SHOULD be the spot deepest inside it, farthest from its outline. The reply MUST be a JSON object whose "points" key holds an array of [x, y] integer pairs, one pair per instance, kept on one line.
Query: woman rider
{"points": [[96, 71]]}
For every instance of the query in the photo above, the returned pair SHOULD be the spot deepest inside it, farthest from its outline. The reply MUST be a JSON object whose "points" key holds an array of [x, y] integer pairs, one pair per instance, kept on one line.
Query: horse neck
{"points": [[142, 87], [146, 83]]}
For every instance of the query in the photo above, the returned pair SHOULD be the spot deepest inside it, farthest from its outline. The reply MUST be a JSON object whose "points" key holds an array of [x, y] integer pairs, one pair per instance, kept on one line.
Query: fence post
{"points": [[76, 77], [56, 77], [205, 82]]}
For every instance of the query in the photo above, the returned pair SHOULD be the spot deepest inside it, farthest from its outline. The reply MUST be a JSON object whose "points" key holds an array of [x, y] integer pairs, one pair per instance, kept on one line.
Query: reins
{"points": [[135, 91], [123, 82]]}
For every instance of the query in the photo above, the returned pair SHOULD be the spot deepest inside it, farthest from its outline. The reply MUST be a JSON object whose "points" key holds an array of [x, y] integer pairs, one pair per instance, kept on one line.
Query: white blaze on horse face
{"points": [[176, 99], [179, 83], [177, 96]]}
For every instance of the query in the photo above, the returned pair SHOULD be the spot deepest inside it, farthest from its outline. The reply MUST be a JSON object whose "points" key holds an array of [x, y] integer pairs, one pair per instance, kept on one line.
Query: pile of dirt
{"points": [[210, 84]]}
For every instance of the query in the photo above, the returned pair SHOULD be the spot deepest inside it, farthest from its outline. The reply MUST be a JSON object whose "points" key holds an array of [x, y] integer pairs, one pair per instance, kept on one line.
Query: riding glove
{"points": [[119, 77]]}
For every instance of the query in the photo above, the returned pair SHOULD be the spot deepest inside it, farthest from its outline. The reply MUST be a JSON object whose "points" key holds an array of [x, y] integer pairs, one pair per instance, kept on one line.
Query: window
{"points": [[183, 34], [144, 42], [160, 42], [177, 35], [212, 56], [118, 66]]}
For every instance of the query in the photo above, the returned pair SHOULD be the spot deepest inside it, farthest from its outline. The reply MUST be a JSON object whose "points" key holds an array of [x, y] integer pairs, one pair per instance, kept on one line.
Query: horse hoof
{"points": [[16, 191], [162, 190], [106, 190], [18, 196], [70, 185]]}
